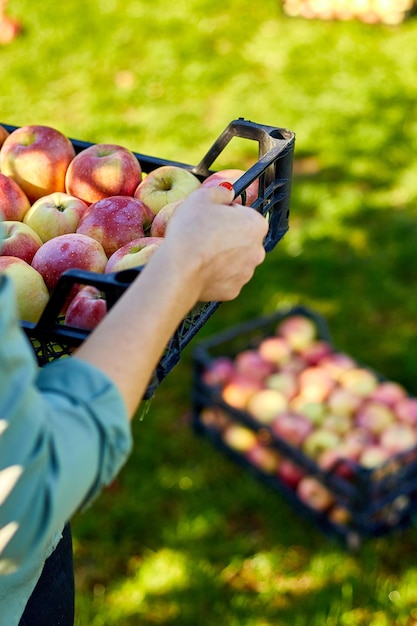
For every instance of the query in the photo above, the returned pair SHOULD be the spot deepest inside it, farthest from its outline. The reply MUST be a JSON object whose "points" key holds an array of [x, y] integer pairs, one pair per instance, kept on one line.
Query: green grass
{"points": [[185, 537]]}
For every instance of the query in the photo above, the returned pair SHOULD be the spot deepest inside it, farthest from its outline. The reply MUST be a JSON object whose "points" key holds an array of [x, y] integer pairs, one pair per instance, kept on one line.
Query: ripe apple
{"points": [[219, 371], [67, 252], [231, 176], [373, 456], [3, 134], [20, 241], [164, 185], [14, 203], [133, 254], [316, 351], [31, 292], [213, 417], [55, 214], [342, 401], [251, 362], [238, 389], [266, 404], [298, 330], [340, 424], [340, 460], [37, 158], [86, 309], [313, 410], [114, 221], [314, 494], [398, 437], [103, 170], [283, 381], [388, 392], [374, 416], [315, 383], [336, 363], [275, 350], [406, 410], [319, 440], [290, 473], [239, 437], [162, 218], [360, 380], [263, 457], [291, 428]]}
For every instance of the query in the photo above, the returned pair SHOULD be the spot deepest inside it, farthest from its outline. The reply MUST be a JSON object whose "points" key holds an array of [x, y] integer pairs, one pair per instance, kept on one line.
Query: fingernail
{"points": [[226, 184]]}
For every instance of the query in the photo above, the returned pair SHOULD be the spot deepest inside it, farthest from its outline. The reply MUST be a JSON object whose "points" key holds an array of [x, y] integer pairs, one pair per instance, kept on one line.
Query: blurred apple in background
{"points": [[298, 330], [238, 389], [374, 416], [14, 203], [37, 158], [314, 494], [359, 380], [19, 240], [266, 404], [398, 437], [342, 401], [31, 292], [315, 384], [373, 456], [275, 350], [251, 363], [239, 437], [231, 176], [316, 351], [219, 371], [406, 410], [103, 170], [313, 410], [68, 252], [289, 472], [161, 220], [283, 381], [55, 214], [86, 309], [292, 428], [336, 363], [263, 457], [133, 254], [166, 184], [319, 440], [388, 392], [114, 221]]}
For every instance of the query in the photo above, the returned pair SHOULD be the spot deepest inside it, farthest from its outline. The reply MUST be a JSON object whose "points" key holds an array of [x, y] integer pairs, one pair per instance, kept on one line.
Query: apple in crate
{"points": [[291, 428], [388, 392], [266, 404], [374, 416], [86, 309], [298, 330], [115, 221], [55, 214], [251, 363], [162, 218], [238, 389], [231, 176], [314, 494], [37, 158], [66, 252], [406, 410], [275, 350], [264, 458], [164, 185], [219, 371], [360, 380], [238, 437], [103, 170], [20, 241], [14, 203], [31, 292], [289, 472], [398, 438], [133, 254]]}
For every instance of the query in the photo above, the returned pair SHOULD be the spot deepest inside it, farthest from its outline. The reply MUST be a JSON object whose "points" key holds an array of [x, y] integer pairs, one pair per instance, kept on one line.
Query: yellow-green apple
{"points": [[70, 251], [315, 494], [292, 428], [239, 437], [3, 134], [373, 456], [162, 218], [374, 416], [166, 184], [360, 380], [238, 389], [231, 176], [406, 410], [133, 254], [103, 170], [14, 203], [250, 362], [275, 350], [398, 438], [319, 440], [266, 404], [340, 424], [284, 381], [55, 214], [31, 292], [20, 240], [315, 411], [298, 330], [86, 309], [37, 158], [219, 371], [115, 221]]}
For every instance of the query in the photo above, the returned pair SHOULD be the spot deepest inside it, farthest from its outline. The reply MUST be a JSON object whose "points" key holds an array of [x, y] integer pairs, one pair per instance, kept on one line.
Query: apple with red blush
{"points": [[219, 371], [263, 457], [3, 134], [315, 494], [166, 184], [336, 363], [315, 411], [398, 437], [251, 363], [19, 240], [283, 381], [37, 158], [359, 380], [406, 410], [136, 253], [342, 401], [388, 392], [298, 330], [55, 214], [231, 176], [374, 416], [291, 428], [315, 384], [314, 352], [86, 309], [289, 473], [30, 290], [238, 389], [14, 203], [103, 170], [266, 404], [276, 350], [319, 440], [161, 220]]}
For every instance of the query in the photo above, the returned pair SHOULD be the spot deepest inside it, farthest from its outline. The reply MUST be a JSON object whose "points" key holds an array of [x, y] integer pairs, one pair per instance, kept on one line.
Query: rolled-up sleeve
{"points": [[64, 434]]}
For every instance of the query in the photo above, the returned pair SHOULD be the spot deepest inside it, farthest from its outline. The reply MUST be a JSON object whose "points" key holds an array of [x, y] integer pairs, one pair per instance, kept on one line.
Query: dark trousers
{"points": [[52, 600]]}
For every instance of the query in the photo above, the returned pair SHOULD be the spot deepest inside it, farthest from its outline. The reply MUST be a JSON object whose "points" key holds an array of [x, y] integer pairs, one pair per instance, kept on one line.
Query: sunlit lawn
{"points": [[185, 537]]}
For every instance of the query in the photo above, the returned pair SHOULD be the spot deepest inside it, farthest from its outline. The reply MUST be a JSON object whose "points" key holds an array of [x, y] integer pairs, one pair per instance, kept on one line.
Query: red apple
{"points": [[231, 176], [319, 440], [314, 494], [14, 203], [239, 388], [19, 240], [266, 404], [161, 220], [340, 460], [374, 416], [55, 214], [86, 309], [292, 428], [388, 392], [31, 293], [251, 362], [219, 371], [290, 473], [37, 158], [275, 350], [68, 252], [298, 330], [406, 410], [359, 380], [336, 363], [315, 384], [133, 254], [316, 351], [164, 185], [114, 221], [103, 170]]}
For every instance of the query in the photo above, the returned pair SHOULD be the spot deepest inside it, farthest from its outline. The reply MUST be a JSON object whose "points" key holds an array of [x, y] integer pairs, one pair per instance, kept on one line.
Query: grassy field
{"points": [[185, 537]]}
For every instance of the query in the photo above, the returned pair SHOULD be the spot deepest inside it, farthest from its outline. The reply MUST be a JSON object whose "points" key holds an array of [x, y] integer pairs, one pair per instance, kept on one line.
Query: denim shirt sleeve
{"points": [[64, 434]]}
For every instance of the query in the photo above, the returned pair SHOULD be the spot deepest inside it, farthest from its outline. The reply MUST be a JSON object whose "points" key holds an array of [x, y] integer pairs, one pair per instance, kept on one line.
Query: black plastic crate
{"points": [[366, 502], [51, 338]]}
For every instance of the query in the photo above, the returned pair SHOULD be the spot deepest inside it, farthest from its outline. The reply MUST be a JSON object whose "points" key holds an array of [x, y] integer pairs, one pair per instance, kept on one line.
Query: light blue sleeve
{"points": [[64, 434]]}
